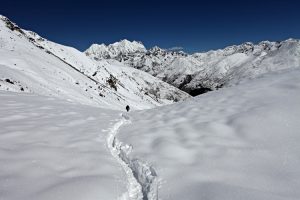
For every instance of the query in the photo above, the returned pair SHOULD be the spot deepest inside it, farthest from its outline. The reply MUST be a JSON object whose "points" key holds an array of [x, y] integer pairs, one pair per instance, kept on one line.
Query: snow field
{"points": [[235, 143], [51, 149]]}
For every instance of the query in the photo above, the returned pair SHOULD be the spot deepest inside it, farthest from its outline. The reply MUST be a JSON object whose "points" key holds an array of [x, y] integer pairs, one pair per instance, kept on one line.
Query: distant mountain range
{"points": [[201, 72]]}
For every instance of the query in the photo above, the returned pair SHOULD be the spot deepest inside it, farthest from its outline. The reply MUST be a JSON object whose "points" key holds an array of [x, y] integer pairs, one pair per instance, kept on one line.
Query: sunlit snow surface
{"points": [[240, 143], [50, 149], [236, 143]]}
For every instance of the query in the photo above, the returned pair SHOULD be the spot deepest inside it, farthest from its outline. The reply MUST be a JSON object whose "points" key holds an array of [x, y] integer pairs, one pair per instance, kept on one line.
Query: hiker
{"points": [[127, 108]]}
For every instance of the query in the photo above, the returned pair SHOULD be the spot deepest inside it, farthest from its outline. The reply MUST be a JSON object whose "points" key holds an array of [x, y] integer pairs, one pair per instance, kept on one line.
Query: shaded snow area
{"points": [[51, 149], [236, 143]]}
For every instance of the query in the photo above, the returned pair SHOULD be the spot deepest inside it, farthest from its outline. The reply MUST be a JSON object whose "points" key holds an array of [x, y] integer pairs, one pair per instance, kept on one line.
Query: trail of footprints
{"points": [[142, 178]]}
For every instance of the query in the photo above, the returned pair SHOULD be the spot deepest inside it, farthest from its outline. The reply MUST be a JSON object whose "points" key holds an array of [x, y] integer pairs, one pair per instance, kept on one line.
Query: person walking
{"points": [[127, 108]]}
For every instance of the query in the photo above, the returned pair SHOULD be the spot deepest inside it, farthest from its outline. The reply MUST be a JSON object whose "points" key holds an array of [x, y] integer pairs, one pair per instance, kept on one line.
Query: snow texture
{"points": [[142, 179], [231, 144], [51, 149], [236, 143]]}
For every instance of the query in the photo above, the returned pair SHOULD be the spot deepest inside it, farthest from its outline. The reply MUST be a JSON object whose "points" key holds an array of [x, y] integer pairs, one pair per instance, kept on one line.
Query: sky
{"points": [[196, 26]]}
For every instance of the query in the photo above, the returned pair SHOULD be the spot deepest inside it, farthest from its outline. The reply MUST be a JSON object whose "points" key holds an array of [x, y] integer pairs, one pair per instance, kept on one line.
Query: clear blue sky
{"points": [[193, 25]]}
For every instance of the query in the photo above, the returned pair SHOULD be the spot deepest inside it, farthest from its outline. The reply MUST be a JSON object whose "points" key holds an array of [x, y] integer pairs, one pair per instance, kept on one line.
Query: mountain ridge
{"points": [[30, 63], [198, 73]]}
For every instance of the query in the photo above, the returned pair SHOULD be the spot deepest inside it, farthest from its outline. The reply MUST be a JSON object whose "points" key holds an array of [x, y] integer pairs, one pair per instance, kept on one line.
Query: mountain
{"points": [[201, 72], [30, 63], [65, 133], [115, 49]]}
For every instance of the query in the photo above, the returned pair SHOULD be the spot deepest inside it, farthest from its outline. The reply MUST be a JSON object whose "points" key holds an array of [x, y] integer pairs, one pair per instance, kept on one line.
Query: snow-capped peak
{"points": [[2, 17], [156, 49], [112, 50], [125, 46], [97, 49]]}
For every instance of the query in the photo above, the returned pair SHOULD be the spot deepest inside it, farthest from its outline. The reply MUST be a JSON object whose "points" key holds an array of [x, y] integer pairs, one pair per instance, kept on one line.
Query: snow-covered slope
{"points": [[238, 143], [52, 149], [29, 63], [211, 70]]}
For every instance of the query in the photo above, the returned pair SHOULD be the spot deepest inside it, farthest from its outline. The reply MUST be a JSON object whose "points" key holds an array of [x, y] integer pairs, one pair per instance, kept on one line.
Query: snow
{"points": [[142, 178], [52, 149], [35, 65], [212, 69], [111, 50], [131, 84], [236, 143], [118, 150], [56, 142]]}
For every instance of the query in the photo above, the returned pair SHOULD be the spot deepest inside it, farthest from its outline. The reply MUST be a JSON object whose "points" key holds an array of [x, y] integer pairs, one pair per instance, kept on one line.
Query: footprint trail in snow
{"points": [[142, 178]]}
